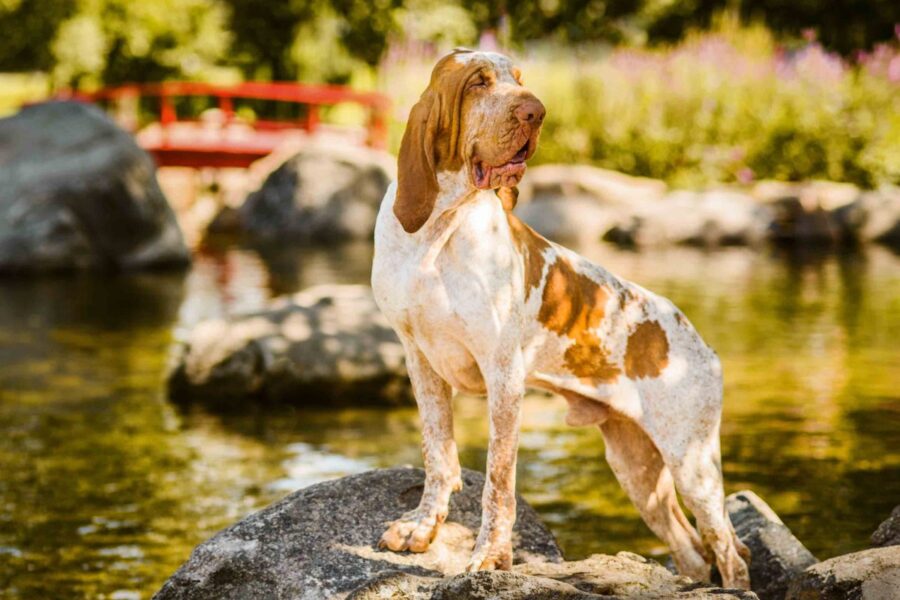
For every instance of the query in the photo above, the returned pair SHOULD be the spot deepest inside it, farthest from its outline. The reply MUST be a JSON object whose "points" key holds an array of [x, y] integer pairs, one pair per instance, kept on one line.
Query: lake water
{"points": [[105, 487]]}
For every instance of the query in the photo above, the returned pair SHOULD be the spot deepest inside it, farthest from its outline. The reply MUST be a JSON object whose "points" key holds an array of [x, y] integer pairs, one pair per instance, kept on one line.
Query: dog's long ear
{"points": [[508, 197], [417, 185]]}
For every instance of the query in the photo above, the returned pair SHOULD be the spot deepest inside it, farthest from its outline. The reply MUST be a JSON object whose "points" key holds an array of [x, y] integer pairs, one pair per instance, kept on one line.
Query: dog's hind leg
{"points": [[640, 469], [416, 529], [698, 477]]}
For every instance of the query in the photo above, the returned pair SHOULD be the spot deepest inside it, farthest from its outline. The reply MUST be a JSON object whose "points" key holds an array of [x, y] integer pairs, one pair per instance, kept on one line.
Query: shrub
{"points": [[723, 106]]}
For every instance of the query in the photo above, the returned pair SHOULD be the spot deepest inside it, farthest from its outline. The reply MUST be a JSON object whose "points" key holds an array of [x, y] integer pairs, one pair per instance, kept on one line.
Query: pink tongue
{"points": [[507, 168]]}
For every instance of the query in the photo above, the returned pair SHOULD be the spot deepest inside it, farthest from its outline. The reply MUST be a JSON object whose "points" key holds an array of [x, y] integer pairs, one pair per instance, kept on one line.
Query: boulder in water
{"points": [[77, 192]]}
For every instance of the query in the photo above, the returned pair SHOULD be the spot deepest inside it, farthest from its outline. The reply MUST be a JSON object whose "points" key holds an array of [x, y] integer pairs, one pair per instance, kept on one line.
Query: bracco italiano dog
{"points": [[485, 305]]}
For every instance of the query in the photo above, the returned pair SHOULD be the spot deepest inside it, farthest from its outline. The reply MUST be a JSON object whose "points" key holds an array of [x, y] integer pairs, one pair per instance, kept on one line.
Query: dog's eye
{"points": [[478, 83]]}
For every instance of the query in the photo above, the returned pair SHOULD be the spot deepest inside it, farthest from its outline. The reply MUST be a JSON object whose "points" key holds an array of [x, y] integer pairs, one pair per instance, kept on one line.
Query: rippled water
{"points": [[105, 487]]}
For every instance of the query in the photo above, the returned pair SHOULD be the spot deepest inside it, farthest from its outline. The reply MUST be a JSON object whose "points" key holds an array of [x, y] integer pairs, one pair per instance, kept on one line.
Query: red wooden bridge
{"points": [[225, 136]]}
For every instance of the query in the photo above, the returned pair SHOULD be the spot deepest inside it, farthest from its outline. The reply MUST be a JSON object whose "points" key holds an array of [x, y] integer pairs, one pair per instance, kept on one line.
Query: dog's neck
{"points": [[456, 191]]}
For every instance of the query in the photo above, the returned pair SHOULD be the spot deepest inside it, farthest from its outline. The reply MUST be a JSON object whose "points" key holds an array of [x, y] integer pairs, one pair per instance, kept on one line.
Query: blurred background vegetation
{"points": [[690, 91]]}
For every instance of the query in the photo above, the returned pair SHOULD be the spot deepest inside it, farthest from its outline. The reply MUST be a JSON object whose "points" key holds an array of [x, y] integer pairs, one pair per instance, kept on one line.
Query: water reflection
{"points": [[106, 487]]}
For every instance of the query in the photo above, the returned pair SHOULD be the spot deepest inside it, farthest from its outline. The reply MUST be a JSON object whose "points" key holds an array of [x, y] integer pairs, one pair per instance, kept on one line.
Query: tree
{"points": [[26, 25], [114, 41]]}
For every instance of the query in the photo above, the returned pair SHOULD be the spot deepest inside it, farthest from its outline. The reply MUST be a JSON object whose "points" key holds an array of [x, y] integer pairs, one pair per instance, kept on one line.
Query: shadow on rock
{"points": [[321, 542], [325, 345]]}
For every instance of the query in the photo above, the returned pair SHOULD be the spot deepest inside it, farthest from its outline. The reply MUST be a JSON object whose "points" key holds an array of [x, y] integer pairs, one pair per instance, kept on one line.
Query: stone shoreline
{"points": [[574, 203], [583, 203], [321, 543]]}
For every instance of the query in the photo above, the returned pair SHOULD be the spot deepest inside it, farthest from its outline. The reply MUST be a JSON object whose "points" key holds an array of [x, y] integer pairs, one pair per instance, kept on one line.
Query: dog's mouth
{"points": [[508, 174]]}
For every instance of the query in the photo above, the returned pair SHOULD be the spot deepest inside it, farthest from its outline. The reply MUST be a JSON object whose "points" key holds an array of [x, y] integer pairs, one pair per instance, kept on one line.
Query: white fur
{"points": [[455, 293]]}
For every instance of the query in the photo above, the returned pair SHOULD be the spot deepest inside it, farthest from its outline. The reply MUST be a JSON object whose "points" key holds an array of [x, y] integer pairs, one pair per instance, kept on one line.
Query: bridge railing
{"points": [[312, 97]]}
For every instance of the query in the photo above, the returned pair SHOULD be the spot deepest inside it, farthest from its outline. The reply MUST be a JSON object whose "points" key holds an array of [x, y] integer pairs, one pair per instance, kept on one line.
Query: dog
{"points": [[484, 305]]}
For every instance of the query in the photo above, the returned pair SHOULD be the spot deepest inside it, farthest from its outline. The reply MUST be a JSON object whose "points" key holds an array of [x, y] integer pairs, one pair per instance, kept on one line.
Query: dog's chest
{"points": [[448, 299], [426, 308]]}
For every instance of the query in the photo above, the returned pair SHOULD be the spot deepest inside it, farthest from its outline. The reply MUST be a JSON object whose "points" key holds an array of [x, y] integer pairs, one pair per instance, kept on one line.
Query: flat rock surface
{"points": [[777, 556], [867, 575], [321, 541], [325, 345], [76, 192], [598, 577]]}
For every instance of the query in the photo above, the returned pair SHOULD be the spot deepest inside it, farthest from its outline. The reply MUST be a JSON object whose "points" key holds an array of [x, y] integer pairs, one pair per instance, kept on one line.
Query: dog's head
{"points": [[475, 115]]}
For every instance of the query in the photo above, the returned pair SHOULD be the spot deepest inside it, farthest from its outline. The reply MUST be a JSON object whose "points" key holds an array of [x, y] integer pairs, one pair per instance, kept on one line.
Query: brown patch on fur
{"points": [[531, 246], [431, 141], [625, 296], [573, 305], [647, 353]]}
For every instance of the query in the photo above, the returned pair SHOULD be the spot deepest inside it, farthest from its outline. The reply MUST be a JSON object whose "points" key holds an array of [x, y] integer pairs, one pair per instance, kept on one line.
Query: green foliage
{"points": [[842, 26], [448, 24], [93, 41], [26, 26], [729, 106], [112, 41], [318, 40], [719, 108], [17, 89], [262, 37], [845, 27]]}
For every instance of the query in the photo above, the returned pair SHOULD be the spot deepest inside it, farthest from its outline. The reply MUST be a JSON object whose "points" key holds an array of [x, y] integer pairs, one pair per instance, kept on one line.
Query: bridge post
{"points": [[378, 131], [312, 118], [227, 108], [167, 113]]}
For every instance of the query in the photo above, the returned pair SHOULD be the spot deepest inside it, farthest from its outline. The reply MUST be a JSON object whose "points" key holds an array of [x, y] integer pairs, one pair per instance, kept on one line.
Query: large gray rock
{"points": [[77, 192], [582, 203], [599, 577], [556, 181], [576, 219], [873, 217], [324, 193], [868, 575], [712, 218], [579, 202], [809, 212], [321, 542], [888, 533], [706, 219], [328, 343], [777, 556]]}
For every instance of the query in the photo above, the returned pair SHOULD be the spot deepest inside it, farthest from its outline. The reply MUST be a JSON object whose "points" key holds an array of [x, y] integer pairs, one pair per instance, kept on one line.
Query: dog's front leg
{"points": [[416, 529], [506, 385]]}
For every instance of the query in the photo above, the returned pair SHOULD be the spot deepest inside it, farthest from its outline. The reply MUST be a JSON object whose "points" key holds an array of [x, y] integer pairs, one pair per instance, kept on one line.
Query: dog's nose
{"points": [[531, 111]]}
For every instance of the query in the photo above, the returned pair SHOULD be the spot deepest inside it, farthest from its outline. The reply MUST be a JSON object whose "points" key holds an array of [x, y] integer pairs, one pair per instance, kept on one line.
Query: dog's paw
{"points": [[413, 531], [489, 557]]}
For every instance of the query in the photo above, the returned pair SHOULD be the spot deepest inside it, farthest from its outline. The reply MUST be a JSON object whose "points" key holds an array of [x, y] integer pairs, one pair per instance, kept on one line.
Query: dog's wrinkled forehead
{"points": [[501, 66]]}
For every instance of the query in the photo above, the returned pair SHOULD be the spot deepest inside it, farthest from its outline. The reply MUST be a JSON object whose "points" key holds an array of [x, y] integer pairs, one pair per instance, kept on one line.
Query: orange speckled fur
{"points": [[484, 305]]}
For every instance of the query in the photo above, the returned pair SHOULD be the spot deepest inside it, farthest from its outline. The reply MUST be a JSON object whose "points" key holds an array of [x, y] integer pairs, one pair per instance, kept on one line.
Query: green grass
{"points": [[17, 89]]}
